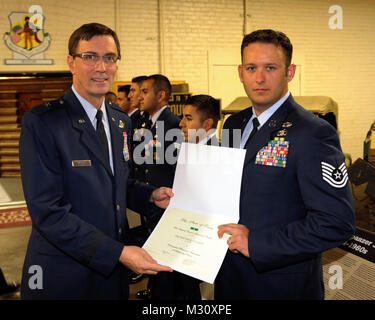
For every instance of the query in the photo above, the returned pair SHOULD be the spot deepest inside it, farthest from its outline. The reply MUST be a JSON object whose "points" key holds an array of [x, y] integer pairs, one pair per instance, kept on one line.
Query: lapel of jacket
{"points": [[162, 117], [239, 123], [135, 115], [117, 139], [245, 119], [269, 130], [82, 123], [213, 141]]}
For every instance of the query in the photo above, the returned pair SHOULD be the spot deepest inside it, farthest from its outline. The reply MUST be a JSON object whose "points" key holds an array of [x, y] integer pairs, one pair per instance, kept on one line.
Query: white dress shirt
{"points": [[262, 118], [157, 114], [204, 141], [91, 113]]}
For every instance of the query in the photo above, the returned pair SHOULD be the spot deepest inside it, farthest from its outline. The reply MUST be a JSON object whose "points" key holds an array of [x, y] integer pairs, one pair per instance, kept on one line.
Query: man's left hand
{"points": [[238, 241], [161, 197]]}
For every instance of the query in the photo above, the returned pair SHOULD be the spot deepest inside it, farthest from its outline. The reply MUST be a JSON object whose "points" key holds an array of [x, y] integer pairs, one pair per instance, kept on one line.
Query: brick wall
{"points": [[336, 63], [139, 37], [61, 19]]}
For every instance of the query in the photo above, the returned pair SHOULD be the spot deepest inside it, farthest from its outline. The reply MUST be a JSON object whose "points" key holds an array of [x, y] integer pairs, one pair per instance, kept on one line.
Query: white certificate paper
{"points": [[206, 190]]}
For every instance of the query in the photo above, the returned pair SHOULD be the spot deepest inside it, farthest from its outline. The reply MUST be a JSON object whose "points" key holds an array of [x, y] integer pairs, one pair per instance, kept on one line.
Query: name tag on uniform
{"points": [[81, 163]]}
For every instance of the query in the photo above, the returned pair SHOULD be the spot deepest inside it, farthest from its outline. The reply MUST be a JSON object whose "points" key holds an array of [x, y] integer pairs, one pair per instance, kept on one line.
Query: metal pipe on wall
{"points": [[244, 17], [117, 24], [161, 36]]}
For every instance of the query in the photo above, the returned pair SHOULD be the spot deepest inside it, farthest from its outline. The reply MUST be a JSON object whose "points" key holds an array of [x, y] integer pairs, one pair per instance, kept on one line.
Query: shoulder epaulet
{"points": [[116, 107], [49, 105]]}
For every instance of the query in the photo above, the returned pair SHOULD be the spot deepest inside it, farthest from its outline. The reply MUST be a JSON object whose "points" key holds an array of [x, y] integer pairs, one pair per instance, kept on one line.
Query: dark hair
{"points": [[269, 36], [125, 88], [138, 80], [207, 107], [111, 96], [88, 31], [161, 83]]}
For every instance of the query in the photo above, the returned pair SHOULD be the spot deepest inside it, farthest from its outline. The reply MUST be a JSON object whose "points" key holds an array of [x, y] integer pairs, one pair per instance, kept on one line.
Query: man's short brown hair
{"points": [[88, 31], [269, 36]]}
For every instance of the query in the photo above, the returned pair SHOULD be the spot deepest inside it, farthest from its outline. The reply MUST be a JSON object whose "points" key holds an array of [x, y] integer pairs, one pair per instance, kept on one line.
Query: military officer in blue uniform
{"points": [[295, 200], [134, 98], [158, 137], [74, 154]]}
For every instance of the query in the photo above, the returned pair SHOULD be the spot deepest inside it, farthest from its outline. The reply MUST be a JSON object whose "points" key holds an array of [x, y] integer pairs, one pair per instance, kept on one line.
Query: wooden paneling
{"points": [[17, 95], [26, 101]]}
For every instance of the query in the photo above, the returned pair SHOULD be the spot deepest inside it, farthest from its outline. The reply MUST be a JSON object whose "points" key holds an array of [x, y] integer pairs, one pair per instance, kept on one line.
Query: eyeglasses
{"points": [[91, 59]]}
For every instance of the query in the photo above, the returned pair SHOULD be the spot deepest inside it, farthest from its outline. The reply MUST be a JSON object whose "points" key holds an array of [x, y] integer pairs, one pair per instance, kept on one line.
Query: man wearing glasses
{"points": [[74, 155]]}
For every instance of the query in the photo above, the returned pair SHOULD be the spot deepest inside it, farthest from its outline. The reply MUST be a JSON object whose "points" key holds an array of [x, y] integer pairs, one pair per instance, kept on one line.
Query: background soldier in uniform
{"points": [[155, 94], [134, 97]]}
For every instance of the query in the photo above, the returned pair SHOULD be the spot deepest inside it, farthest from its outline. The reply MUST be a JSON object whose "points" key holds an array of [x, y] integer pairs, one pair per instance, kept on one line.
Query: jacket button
{"points": [[118, 207], [120, 230]]}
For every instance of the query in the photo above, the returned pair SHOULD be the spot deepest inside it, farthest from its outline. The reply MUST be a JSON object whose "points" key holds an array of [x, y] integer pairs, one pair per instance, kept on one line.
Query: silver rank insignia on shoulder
{"points": [[282, 133], [335, 177], [121, 124], [287, 124], [272, 123]]}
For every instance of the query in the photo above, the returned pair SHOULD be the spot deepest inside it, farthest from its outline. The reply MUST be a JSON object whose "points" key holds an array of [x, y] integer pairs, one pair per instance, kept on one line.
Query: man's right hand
{"points": [[139, 261]]}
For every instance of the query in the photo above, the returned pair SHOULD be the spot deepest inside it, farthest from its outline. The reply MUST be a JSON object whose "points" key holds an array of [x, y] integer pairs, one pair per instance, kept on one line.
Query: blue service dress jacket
{"points": [[135, 118], [156, 153], [156, 168], [77, 205], [296, 202]]}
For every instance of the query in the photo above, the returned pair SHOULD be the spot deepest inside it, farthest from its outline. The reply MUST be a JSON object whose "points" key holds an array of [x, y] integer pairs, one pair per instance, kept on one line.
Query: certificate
{"points": [[207, 187]]}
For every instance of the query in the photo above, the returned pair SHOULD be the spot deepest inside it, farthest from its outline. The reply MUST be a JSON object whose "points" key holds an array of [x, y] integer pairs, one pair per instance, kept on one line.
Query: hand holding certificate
{"points": [[206, 194]]}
